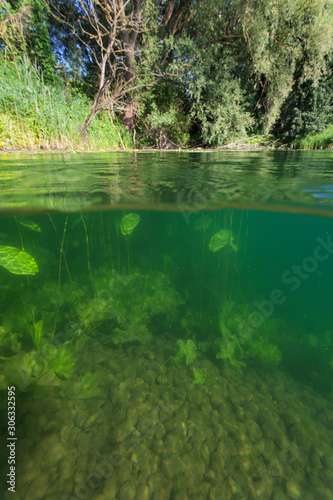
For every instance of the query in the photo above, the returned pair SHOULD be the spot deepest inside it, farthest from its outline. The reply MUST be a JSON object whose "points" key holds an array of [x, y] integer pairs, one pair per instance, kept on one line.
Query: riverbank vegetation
{"points": [[36, 115], [149, 73]]}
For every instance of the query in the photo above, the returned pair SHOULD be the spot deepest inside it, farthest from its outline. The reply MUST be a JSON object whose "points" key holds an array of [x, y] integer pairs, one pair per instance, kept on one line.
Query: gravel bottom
{"points": [[153, 434]]}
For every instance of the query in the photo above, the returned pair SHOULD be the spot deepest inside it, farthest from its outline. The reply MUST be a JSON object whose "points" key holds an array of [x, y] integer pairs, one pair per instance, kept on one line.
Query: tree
{"points": [[114, 35], [24, 33], [246, 56], [287, 40], [236, 68], [308, 108]]}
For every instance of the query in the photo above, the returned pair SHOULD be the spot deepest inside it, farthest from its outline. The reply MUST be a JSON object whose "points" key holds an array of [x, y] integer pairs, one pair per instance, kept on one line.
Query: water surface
{"points": [[284, 180]]}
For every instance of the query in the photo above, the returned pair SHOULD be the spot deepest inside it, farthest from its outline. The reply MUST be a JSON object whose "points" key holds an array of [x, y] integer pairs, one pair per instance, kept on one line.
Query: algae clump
{"points": [[186, 350]]}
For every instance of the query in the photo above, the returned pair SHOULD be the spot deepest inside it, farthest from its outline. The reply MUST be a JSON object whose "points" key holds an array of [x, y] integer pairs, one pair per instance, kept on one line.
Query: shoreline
{"points": [[4, 150]]}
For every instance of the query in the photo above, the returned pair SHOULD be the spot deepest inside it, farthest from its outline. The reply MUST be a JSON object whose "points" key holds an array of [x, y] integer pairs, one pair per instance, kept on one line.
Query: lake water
{"points": [[166, 325]]}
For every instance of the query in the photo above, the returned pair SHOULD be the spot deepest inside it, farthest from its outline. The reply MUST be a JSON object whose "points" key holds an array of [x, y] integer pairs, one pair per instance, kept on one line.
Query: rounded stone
{"points": [[127, 491]]}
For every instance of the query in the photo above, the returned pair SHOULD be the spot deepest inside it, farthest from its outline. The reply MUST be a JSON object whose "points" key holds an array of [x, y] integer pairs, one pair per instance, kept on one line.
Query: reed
{"points": [[319, 140], [35, 115]]}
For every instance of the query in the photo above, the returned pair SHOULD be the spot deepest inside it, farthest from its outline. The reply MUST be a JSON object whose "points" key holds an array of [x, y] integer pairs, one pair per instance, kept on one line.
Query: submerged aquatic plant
{"points": [[63, 362], [126, 307], [230, 351], [128, 223], [17, 261], [202, 223], [265, 352], [89, 386], [221, 239], [228, 346], [30, 224], [39, 371], [9, 342], [237, 345], [186, 350], [36, 331], [201, 377]]}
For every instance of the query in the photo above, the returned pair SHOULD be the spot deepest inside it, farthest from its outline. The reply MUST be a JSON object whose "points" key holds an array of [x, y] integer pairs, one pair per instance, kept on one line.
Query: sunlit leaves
{"points": [[221, 239], [17, 261], [28, 223], [129, 223]]}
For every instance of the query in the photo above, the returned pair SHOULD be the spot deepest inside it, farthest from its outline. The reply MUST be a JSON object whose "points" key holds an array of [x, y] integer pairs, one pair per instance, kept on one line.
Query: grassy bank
{"points": [[34, 115], [319, 140]]}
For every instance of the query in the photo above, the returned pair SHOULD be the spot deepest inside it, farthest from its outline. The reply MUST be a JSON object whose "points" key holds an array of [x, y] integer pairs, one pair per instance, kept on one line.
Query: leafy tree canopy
{"points": [[210, 69]]}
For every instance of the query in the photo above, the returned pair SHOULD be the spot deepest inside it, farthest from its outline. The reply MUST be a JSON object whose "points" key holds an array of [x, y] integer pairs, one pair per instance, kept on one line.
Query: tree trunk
{"points": [[129, 38], [93, 113], [129, 116]]}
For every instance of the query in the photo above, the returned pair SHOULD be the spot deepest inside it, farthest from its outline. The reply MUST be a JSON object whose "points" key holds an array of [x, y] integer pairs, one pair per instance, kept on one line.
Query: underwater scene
{"points": [[166, 354]]}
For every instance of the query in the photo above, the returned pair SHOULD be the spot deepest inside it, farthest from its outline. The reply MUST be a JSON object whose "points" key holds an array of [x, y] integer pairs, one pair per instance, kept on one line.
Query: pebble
{"points": [[127, 491], [174, 439], [293, 489], [171, 466]]}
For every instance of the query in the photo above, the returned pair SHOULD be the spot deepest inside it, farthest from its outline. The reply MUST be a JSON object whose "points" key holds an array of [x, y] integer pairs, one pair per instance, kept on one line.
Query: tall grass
{"points": [[36, 115], [319, 140]]}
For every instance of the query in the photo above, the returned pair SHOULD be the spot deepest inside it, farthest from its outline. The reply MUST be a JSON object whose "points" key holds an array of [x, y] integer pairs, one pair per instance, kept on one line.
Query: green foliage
{"points": [[261, 350], [33, 114], [24, 30], [163, 117], [89, 386], [201, 377], [221, 239], [39, 46], [287, 40], [319, 140], [219, 105], [30, 224], [236, 346], [229, 350], [125, 307], [29, 369], [214, 82], [128, 223], [169, 125], [63, 362], [186, 350], [9, 341], [307, 111], [17, 261], [243, 64], [36, 332]]}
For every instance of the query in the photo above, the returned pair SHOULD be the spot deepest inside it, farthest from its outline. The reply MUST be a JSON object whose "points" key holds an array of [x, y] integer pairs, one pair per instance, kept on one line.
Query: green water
{"points": [[167, 325]]}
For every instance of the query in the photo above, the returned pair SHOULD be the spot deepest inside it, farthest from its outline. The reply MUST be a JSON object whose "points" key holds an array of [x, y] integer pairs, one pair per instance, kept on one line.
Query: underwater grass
{"points": [[35, 115]]}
